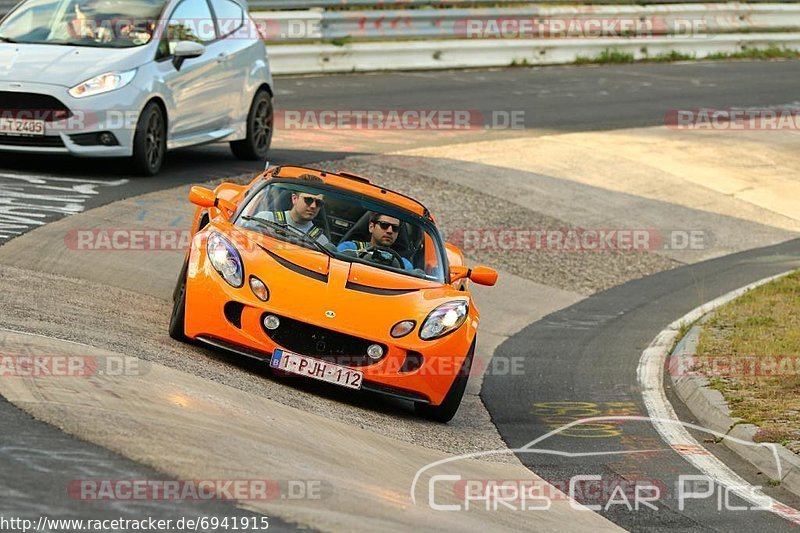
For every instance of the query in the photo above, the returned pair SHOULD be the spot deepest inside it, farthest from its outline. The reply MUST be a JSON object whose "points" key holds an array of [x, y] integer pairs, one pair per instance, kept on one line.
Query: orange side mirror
{"points": [[202, 196], [206, 198], [483, 276]]}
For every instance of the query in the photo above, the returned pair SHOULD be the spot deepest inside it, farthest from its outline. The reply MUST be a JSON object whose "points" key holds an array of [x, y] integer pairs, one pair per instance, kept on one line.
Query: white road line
{"points": [[30, 200], [40, 179], [651, 378]]}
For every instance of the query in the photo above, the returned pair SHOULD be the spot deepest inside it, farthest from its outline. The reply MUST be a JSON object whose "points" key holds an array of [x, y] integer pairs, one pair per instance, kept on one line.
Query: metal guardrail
{"points": [[341, 27], [482, 53], [563, 21]]}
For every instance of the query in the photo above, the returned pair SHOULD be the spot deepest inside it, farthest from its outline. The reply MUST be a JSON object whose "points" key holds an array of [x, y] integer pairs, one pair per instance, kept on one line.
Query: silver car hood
{"points": [[65, 65]]}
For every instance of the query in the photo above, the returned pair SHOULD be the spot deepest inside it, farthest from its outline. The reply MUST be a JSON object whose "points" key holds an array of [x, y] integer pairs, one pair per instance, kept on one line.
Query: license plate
{"points": [[14, 126], [314, 368]]}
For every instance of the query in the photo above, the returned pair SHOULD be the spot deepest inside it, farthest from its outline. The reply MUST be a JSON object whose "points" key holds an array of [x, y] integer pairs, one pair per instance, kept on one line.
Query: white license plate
{"points": [[14, 126], [314, 368]]}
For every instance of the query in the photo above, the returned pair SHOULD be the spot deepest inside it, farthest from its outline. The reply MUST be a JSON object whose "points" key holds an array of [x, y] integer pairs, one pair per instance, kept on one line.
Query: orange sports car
{"points": [[334, 278]]}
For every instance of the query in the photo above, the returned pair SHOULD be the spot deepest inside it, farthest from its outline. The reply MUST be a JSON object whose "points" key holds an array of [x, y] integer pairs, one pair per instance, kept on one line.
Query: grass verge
{"points": [[750, 349], [613, 56]]}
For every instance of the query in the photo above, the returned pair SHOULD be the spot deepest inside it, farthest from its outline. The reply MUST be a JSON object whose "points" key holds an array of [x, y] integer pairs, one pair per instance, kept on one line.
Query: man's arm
{"points": [[347, 245]]}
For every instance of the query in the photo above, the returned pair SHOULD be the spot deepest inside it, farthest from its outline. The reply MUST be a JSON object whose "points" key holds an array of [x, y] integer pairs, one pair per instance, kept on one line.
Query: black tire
{"points": [[150, 140], [449, 406], [260, 122], [177, 319]]}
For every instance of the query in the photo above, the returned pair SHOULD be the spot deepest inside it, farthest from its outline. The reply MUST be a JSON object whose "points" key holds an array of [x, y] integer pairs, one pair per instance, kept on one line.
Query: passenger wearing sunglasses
{"points": [[383, 231], [305, 207]]}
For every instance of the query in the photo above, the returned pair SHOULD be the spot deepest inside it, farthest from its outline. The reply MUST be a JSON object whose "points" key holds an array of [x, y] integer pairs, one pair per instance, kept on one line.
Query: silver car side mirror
{"points": [[186, 50]]}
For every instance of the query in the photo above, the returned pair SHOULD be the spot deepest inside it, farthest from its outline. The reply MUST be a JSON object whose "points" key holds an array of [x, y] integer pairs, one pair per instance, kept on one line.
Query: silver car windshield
{"points": [[98, 23], [347, 227]]}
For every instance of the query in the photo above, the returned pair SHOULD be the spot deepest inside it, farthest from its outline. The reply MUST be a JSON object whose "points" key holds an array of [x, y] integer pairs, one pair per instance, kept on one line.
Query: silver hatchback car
{"points": [[133, 78]]}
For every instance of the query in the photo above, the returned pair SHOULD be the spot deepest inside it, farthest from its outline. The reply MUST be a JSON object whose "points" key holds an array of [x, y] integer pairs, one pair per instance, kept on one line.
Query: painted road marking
{"points": [[29, 201], [650, 374]]}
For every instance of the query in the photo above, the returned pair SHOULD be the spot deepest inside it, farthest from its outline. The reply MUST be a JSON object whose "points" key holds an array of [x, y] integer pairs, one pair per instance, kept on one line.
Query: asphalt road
{"points": [[38, 189], [37, 461], [581, 362], [577, 355]]}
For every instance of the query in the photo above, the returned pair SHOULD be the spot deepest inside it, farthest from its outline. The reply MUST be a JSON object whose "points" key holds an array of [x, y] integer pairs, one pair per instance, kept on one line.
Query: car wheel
{"points": [[260, 121], [447, 410], [177, 319], [150, 140]]}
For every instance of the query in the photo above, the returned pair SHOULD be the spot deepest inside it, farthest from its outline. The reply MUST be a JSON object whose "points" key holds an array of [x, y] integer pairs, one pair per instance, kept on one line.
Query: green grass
{"points": [[614, 56], [672, 55], [341, 41], [607, 56], [771, 52], [762, 325]]}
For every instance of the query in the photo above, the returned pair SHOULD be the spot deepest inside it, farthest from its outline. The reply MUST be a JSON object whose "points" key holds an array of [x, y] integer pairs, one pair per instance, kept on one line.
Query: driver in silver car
{"points": [[383, 231]]}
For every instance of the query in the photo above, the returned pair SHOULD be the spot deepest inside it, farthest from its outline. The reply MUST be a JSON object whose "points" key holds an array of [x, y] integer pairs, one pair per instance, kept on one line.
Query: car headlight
{"points": [[225, 259], [110, 81], [444, 319]]}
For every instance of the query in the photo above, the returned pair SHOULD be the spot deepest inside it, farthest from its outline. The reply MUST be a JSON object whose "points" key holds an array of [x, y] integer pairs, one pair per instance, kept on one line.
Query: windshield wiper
{"points": [[287, 230], [7, 40]]}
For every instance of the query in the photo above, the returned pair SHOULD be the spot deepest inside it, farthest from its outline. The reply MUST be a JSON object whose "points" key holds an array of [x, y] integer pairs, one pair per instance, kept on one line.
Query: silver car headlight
{"points": [[444, 319], [110, 81], [225, 259]]}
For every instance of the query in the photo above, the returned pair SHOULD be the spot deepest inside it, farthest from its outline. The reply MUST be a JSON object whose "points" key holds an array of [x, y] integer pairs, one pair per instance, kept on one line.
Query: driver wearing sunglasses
{"points": [[305, 207], [383, 231]]}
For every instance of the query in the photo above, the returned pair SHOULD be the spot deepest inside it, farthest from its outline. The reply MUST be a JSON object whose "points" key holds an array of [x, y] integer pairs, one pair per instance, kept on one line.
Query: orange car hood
{"points": [[350, 297]]}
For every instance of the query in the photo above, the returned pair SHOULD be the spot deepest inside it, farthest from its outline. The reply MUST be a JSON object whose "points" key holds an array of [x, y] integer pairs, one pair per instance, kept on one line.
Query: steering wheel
{"points": [[396, 259]]}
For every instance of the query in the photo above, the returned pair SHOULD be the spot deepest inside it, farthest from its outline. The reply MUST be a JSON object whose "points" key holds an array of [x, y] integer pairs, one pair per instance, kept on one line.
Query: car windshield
{"points": [[348, 227], [98, 23]]}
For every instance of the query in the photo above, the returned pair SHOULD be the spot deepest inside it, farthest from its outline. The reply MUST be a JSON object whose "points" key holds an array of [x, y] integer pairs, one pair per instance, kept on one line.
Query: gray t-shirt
{"points": [[305, 227]]}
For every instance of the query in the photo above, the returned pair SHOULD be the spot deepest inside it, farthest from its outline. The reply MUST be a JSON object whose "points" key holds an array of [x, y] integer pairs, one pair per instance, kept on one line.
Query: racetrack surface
{"points": [[585, 359], [553, 99], [557, 102]]}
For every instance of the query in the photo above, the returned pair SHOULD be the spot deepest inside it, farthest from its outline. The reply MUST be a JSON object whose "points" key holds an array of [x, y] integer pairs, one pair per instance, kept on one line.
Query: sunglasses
{"points": [[309, 200], [386, 225]]}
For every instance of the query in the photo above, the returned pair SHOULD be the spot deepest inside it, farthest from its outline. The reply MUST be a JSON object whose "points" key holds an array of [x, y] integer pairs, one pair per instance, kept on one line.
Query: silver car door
{"points": [[231, 19], [197, 87]]}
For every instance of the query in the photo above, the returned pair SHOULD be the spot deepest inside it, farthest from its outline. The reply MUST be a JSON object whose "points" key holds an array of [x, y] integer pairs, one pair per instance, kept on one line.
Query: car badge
{"points": [[330, 314]]}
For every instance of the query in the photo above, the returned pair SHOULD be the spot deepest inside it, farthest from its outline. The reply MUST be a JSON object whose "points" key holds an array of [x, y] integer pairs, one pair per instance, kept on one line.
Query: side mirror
{"points": [[206, 198], [186, 50], [484, 276], [202, 196], [480, 275]]}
